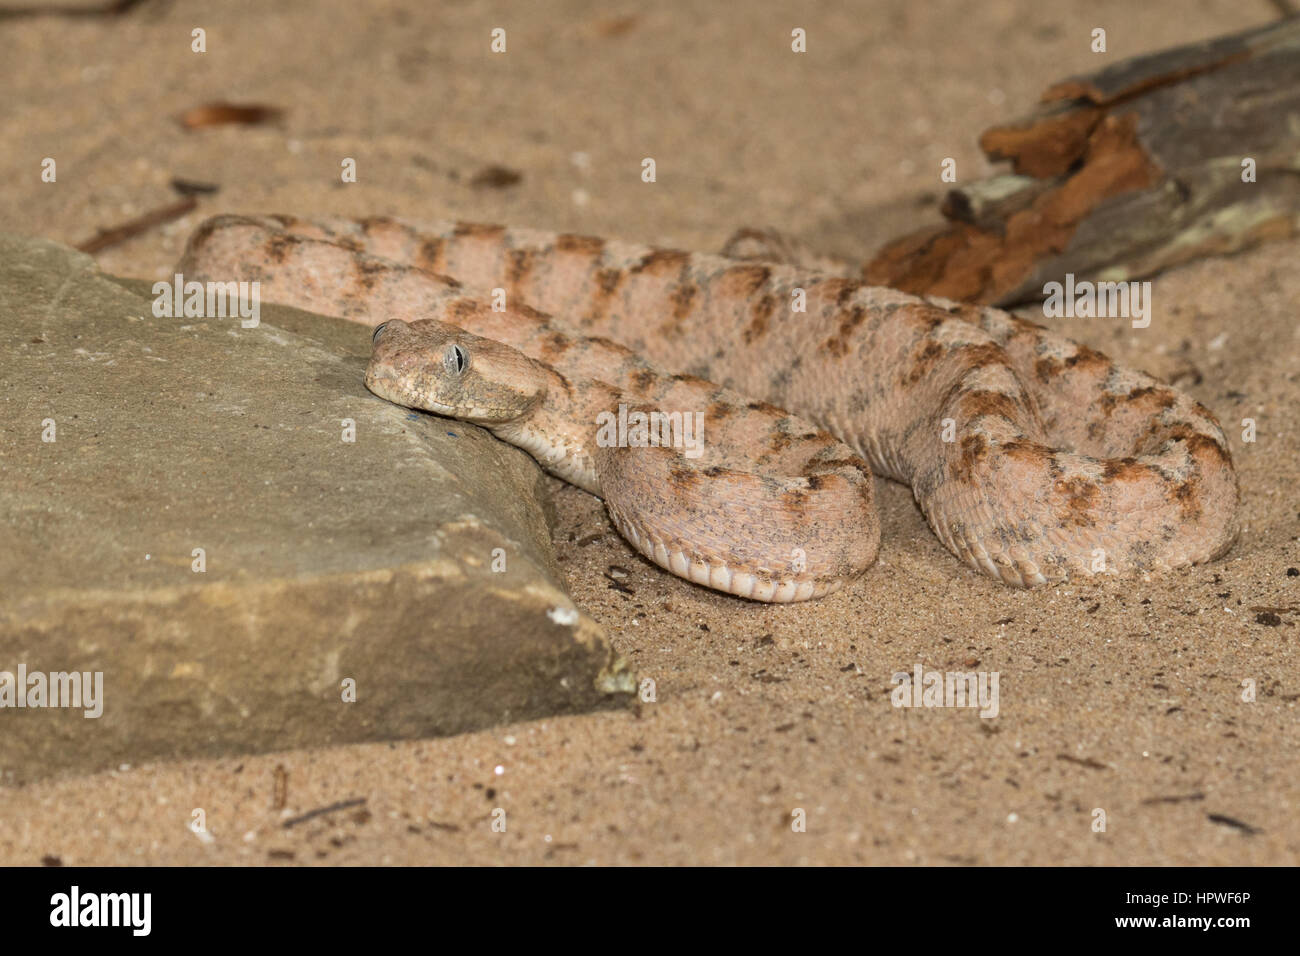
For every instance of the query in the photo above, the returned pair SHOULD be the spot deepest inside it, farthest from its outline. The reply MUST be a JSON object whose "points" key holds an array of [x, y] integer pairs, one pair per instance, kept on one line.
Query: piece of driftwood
{"points": [[1122, 173]]}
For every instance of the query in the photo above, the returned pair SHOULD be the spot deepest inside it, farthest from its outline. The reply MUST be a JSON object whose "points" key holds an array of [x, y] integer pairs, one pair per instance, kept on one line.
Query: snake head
{"points": [[443, 369]]}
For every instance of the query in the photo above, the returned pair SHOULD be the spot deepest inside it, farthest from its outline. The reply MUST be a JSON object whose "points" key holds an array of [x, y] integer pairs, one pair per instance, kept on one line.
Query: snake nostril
{"points": [[374, 336]]}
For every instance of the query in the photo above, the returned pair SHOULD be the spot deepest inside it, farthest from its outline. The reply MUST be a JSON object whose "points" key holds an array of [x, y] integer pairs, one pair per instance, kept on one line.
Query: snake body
{"points": [[789, 521], [1034, 459]]}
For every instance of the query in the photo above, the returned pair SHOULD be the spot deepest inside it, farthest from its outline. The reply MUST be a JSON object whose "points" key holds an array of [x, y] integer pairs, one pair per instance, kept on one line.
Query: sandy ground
{"points": [[1124, 697]]}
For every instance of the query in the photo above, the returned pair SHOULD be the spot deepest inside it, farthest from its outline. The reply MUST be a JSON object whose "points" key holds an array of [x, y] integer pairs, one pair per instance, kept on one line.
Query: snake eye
{"points": [[456, 359], [374, 337]]}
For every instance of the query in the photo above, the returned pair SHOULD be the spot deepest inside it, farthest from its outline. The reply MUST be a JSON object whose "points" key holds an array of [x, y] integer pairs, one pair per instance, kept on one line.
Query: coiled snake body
{"points": [[1034, 459]]}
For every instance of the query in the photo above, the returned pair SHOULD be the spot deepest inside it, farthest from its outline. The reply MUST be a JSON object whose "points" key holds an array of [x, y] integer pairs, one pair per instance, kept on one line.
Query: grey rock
{"points": [[324, 560]]}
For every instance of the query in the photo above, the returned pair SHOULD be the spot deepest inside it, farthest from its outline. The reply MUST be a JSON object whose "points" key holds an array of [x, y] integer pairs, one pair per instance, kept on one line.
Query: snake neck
{"points": [[560, 432]]}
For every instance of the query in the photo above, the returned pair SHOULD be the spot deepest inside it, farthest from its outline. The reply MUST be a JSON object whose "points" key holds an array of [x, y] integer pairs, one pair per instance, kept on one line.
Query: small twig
{"points": [[222, 113], [321, 811], [1179, 798], [1227, 821], [112, 8], [280, 792], [192, 187], [1083, 762], [111, 237]]}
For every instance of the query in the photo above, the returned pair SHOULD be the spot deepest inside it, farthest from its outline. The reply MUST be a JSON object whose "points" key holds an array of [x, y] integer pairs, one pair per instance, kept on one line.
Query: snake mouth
{"points": [[401, 393]]}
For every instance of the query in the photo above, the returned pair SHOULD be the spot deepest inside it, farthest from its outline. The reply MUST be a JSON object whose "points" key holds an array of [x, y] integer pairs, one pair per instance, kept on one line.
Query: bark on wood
{"points": [[1123, 173]]}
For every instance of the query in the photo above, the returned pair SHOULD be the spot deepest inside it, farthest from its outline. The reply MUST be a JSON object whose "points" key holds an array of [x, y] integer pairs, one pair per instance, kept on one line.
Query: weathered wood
{"points": [[1123, 173]]}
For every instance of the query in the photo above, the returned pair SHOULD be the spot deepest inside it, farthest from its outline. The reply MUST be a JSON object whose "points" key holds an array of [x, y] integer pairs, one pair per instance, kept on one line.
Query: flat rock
{"points": [[200, 531]]}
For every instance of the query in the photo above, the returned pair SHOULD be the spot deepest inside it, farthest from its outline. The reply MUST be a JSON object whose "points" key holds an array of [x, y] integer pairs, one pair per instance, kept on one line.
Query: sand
{"points": [[1119, 702]]}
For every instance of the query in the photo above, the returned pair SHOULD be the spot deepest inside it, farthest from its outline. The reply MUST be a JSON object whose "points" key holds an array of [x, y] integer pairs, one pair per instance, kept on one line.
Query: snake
{"points": [[1035, 459]]}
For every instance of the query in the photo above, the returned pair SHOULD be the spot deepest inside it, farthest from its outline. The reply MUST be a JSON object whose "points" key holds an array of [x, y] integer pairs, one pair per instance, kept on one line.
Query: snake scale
{"points": [[1035, 459]]}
